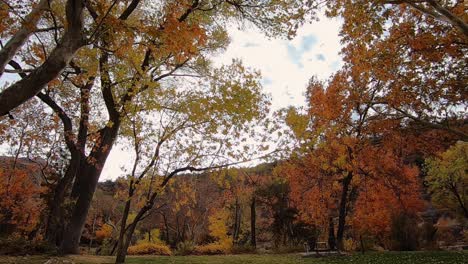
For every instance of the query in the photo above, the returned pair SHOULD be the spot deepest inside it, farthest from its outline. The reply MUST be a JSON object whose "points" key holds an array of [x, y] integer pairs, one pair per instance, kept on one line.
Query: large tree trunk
{"points": [[89, 174], [253, 220], [72, 235], [55, 223], [342, 211]]}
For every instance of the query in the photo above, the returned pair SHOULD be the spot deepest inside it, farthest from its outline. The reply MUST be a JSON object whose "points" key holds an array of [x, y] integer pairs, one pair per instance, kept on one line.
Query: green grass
{"points": [[370, 258], [435, 257]]}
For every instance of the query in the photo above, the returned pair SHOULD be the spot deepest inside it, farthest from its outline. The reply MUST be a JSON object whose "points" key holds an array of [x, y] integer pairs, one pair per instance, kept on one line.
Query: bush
{"points": [[149, 249], [350, 245], [213, 249], [185, 248], [103, 233]]}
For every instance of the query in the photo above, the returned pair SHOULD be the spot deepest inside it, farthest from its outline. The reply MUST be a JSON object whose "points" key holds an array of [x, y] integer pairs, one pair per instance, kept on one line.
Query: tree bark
{"points": [[26, 88], [342, 211], [122, 253], [166, 227], [237, 217], [77, 151], [123, 228], [124, 243], [331, 234], [72, 235], [362, 244], [54, 225], [89, 172], [253, 220], [460, 201]]}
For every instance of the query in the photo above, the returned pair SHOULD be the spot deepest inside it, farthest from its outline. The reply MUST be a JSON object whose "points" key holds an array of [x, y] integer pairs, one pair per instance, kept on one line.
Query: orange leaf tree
{"points": [[21, 203]]}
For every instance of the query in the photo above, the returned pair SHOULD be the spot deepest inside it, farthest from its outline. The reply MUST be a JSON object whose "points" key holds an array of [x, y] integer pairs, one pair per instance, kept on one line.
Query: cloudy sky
{"points": [[286, 67]]}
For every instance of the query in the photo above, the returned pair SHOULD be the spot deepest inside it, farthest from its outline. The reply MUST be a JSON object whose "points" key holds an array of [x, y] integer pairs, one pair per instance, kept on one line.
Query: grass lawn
{"points": [[435, 257]]}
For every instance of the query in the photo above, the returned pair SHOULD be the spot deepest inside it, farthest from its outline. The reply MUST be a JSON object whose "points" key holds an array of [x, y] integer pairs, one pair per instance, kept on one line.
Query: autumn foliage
{"points": [[148, 248], [21, 203]]}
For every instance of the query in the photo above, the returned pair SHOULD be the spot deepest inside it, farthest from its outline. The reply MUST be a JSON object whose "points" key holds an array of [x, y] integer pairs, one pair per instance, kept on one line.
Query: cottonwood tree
{"points": [[418, 62], [20, 200], [188, 131], [135, 50], [447, 179], [326, 173], [449, 12], [239, 187], [391, 189]]}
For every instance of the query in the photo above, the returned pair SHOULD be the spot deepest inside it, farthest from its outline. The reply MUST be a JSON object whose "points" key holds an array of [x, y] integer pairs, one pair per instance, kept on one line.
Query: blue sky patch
{"points": [[308, 42], [295, 54], [320, 57]]}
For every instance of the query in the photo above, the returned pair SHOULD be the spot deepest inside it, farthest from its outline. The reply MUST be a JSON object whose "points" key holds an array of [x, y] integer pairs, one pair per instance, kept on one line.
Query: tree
{"points": [[447, 11], [447, 179], [160, 55], [328, 168], [219, 231], [415, 62], [21, 199], [395, 191], [187, 138]]}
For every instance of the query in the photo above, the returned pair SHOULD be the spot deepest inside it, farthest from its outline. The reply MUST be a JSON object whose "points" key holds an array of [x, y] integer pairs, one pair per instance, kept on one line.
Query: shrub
{"points": [[349, 244], [185, 248], [103, 233], [149, 249]]}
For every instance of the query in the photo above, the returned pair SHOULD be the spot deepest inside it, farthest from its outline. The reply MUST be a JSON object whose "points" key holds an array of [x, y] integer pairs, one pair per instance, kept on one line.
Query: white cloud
{"points": [[287, 66], [118, 163]]}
